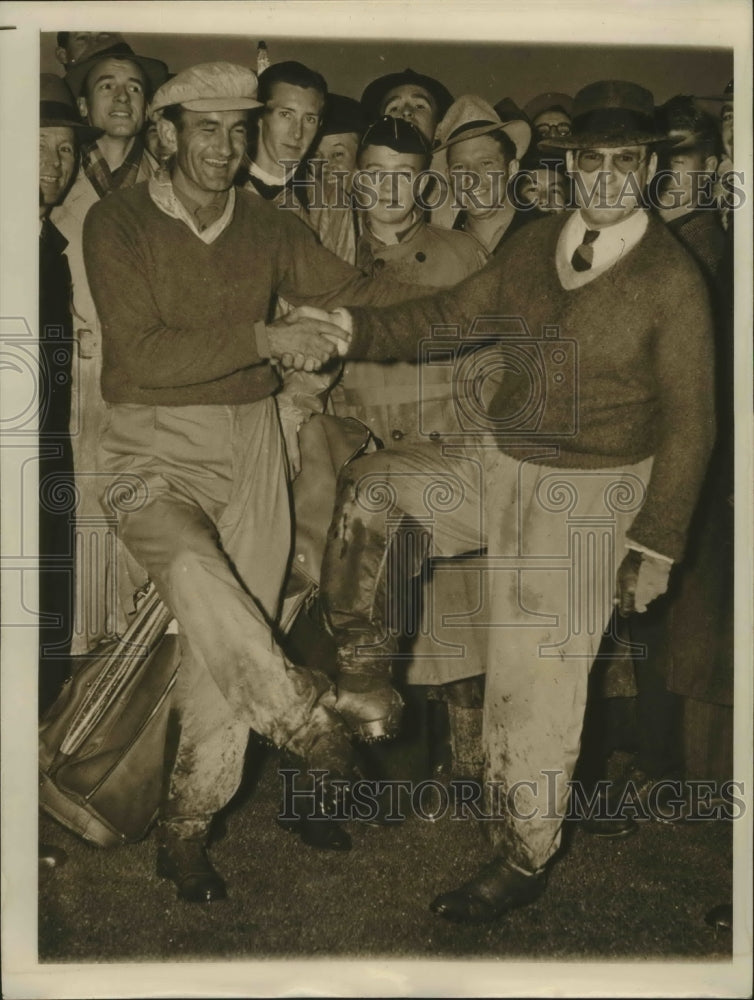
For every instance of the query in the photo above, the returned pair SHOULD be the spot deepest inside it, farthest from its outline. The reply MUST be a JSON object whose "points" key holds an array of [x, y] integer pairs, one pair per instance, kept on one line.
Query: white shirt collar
{"points": [[162, 194], [612, 243], [274, 180]]}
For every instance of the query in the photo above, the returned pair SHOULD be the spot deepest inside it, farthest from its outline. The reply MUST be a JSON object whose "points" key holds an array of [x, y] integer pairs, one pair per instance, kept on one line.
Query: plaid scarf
{"points": [[103, 180]]}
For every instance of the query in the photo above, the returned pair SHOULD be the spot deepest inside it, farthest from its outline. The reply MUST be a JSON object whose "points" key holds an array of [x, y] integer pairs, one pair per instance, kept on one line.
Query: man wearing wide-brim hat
{"points": [[112, 85], [185, 271], [418, 98], [333, 164], [591, 436], [725, 102], [479, 145], [60, 134], [550, 114]]}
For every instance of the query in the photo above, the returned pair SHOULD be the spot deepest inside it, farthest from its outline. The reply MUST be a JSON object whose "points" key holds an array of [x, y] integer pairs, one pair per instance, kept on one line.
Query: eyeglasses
{"points": [[624, 160], [551, 128]]}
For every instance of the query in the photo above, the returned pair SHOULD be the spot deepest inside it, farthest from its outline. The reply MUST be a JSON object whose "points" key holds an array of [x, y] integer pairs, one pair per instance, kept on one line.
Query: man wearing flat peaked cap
{"points": [[184, 272]]}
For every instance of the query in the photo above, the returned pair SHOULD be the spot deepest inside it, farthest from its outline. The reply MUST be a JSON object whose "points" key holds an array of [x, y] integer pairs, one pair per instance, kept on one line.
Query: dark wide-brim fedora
{"points": [[610, 113], [375, 92], [154, 70], [342, 115], [57, 108]]}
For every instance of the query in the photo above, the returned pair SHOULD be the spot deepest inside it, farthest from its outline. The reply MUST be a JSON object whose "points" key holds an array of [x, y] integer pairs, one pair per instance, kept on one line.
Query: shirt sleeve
{"points": [[153, 354]]}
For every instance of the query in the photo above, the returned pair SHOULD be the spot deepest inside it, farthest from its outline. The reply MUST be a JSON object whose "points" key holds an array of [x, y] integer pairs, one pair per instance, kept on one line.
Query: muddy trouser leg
{"points": [[214, 535], [464, 700], [393, 509], [566, 529]]}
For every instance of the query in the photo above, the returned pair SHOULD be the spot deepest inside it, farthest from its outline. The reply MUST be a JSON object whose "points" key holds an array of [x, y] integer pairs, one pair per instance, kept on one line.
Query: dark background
{"points": [[493, 71]]}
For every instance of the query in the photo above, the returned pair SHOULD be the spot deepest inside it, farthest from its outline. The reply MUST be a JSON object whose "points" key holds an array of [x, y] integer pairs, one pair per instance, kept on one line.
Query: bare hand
{"points": [[343, 336], [626, 581], [301, 341], [640, 579]]}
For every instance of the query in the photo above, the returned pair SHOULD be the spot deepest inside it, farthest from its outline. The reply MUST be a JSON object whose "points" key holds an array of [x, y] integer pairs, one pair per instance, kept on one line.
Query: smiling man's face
{"points": [[208, 149], [57, 163], [115, 100]]}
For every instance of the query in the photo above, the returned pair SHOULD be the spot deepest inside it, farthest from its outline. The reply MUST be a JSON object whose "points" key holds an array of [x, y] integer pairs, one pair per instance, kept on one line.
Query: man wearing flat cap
{"points": [[585, 446], [111, 84], [184, 272]]}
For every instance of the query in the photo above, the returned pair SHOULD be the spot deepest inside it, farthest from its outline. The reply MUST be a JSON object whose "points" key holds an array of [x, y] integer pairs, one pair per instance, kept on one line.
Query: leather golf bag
{"points": [[101, 744]]}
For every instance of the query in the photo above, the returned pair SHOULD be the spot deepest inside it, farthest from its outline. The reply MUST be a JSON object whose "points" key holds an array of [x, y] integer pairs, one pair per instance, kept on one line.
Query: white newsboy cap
{"points": [[212, 86]]}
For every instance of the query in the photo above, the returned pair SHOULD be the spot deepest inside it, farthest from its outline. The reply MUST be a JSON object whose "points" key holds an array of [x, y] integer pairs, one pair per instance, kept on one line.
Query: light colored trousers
{"points": [[208, 517], [554, 539]]}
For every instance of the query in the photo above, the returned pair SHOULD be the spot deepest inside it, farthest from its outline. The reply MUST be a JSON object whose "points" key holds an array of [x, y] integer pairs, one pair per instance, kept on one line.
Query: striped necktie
{"points": [[583, 255]]}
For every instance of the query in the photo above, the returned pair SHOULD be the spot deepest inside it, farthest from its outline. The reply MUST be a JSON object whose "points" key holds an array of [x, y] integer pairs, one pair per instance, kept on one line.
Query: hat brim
{"points": [[220, 104], [548, 102], [721, 98], [606, 140], [518, 132], [86, 133], [154, 70], [375, 92]]}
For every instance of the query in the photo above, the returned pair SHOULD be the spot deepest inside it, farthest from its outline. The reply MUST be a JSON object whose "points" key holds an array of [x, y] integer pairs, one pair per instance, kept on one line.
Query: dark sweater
{"points": [[178, 314], [643, 380], [707, 242]]}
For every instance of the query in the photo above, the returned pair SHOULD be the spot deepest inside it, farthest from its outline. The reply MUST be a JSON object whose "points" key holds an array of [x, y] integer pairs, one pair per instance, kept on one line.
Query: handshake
{"points": [[306, 338]]}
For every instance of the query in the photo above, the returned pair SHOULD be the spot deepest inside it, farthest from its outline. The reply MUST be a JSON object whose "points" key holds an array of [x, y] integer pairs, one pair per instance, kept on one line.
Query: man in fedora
{"points": [[687, 637], [483, 147], [74, 45], [414, 96], [586, 444], [112, 85], [184, 272], [550, 115], [60, 135], [541, 185], [331, 212]]}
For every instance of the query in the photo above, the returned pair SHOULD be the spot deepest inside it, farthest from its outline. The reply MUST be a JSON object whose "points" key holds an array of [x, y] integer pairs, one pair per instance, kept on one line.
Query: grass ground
{"points": [[640, 898]]}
